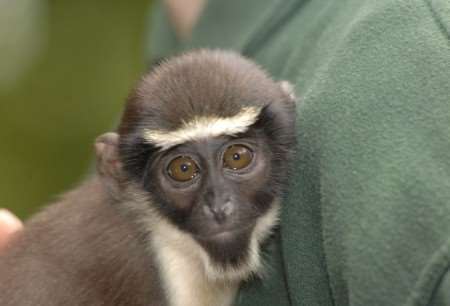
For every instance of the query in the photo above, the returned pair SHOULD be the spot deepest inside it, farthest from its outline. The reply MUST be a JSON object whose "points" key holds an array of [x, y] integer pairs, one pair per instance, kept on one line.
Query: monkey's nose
{"points": [[219, 212]]}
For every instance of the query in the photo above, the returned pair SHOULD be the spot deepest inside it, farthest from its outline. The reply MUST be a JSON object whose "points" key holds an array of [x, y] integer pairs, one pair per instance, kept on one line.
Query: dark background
{"points": [[65, 69]]}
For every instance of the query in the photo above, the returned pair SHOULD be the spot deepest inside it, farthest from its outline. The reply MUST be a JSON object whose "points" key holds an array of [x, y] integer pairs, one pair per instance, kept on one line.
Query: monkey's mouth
{"points": [[225, 233], [227, 246]]}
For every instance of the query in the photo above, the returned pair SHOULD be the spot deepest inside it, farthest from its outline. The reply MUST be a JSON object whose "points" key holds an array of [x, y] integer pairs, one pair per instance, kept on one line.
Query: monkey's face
{"points": [[215, 189], [208, 137], [223, 190]]}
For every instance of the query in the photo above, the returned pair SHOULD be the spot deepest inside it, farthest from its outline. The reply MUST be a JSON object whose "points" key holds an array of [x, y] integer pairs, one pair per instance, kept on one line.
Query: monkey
{"points": [[186, 191]]}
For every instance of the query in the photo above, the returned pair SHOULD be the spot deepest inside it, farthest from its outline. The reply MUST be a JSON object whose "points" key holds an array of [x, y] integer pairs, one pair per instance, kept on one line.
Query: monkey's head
{"points": [[207, 139]]}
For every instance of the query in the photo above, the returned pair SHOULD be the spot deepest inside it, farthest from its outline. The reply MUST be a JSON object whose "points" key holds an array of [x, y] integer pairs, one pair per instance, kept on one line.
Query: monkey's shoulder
{"points": [[79, 251]]}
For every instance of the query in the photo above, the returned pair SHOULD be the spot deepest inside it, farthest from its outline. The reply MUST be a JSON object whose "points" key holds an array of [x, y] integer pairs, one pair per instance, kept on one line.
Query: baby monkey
{"points": [[186, 191]]}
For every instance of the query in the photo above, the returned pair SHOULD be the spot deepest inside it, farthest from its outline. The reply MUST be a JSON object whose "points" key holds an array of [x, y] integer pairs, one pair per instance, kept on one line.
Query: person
{"points": [[9, 224], [367, 218]]}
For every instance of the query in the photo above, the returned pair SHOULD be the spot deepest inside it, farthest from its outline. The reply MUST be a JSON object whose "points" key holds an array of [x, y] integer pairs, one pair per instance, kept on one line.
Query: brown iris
{"points": [[182, 169], [237, 157]]}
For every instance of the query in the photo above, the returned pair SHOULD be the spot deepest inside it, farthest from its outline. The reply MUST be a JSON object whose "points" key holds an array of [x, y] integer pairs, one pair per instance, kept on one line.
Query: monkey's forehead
{"points": [[202, 127], [206, 83], [198, 94]]}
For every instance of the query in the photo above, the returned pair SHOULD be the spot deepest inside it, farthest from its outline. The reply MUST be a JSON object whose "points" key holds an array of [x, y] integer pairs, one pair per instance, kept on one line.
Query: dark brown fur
{"points": [[80, 251], [200, 83]]}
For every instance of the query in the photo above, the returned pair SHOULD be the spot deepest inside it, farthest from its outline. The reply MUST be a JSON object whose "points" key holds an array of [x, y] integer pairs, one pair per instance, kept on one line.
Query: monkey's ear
{"points": [[109, 167], [288, 89]]}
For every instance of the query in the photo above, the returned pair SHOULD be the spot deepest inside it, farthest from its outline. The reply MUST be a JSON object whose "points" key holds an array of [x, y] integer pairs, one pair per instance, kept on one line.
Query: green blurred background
{"points": [[65, 69]]}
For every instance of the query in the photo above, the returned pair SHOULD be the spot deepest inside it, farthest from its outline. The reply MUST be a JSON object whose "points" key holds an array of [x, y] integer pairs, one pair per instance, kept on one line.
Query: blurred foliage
{"points": [[73, 92]]}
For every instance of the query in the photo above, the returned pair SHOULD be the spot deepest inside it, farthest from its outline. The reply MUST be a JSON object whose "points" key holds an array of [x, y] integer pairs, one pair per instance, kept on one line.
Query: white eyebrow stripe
{"points": [[203, 127]]}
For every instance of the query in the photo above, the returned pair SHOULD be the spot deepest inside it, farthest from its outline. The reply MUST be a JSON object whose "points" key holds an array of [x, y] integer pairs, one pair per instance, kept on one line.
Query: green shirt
{"points": [[367, 219]]}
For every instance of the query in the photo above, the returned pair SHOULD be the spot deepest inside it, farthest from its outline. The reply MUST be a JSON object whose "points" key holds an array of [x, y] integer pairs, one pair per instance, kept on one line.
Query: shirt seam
{"points": [[442, 25], [430, 277]]}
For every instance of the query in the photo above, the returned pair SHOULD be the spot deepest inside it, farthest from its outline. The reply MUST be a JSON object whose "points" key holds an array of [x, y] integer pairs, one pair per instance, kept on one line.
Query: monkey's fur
{"points": [[131, 235]]}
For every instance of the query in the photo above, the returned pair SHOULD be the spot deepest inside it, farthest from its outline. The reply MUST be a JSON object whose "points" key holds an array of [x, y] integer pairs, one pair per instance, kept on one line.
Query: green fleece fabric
{"points": [[367, 219]]}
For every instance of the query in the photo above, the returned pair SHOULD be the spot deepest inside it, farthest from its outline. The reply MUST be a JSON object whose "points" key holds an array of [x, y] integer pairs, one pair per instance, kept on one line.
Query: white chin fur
{"points": [[171, 239], [188, 274], [203, 127]]}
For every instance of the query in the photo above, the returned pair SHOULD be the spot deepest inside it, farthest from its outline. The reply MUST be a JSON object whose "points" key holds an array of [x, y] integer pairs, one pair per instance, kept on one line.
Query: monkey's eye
{"points": [[182, 169], [237, 157]]}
